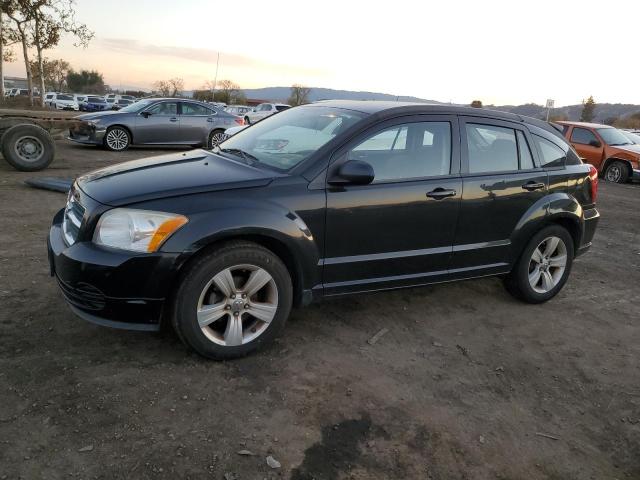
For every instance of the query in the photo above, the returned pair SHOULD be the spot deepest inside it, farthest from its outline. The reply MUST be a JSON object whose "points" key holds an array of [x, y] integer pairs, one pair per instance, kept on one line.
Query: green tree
{"points": [[299, 95], [476, 104], [55, 73], [85, 81], [588, 110]]}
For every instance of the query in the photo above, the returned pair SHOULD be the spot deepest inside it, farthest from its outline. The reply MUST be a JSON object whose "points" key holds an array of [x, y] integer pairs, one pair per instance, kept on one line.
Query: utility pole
{"points": [[550, 104], [215, 79]]}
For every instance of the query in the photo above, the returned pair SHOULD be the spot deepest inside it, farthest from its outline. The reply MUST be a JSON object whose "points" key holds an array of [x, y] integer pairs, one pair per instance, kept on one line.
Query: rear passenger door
{"points": [[501, 181], [195, 122]]}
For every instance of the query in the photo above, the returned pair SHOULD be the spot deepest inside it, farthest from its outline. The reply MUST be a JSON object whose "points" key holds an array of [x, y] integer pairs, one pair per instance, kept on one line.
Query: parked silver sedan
{"points": [[155, 121]]}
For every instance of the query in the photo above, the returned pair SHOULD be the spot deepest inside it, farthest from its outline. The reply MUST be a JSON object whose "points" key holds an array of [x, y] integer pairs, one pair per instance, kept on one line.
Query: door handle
{"points": [[531, 186], [210, 120], [440, 193], [173, 119]]}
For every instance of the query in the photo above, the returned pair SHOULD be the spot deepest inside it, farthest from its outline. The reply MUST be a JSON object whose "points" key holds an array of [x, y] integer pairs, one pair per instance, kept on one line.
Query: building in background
{"points": [[14, 82]]}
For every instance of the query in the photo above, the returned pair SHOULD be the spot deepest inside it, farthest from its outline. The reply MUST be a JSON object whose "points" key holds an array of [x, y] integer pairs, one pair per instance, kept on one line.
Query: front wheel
{"points": [[616, 172], [232, 300], [117, 139], [215, 138], [543, 267], [28, 148], [247, 121]]}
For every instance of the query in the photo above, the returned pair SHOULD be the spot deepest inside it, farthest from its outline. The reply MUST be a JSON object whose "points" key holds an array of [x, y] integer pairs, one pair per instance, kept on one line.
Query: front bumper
{"points": [[86, 134], [635, 174], [110, 287]]}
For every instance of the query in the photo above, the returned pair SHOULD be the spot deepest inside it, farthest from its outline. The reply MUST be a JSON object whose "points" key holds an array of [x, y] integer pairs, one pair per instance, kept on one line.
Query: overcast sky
{"points": [[501, 52]]}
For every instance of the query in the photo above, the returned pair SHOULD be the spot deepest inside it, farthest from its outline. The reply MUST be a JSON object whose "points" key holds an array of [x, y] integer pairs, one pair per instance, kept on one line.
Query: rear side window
{"points": [[195, 109], [526, 161], [491, 148], [582, 136], [551, 155]]}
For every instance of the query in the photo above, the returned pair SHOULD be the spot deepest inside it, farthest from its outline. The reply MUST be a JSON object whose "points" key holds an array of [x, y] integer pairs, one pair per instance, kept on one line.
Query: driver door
{"points": [[159, 124], [398, 230]]}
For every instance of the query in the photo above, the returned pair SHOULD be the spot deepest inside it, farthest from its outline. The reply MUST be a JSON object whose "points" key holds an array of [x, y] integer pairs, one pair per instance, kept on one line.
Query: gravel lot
{"points": [[466, 384]]}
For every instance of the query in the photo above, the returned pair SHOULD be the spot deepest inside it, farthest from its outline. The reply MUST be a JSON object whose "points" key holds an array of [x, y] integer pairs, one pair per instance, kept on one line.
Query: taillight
{"points": [[239, 121], [593, 176]]}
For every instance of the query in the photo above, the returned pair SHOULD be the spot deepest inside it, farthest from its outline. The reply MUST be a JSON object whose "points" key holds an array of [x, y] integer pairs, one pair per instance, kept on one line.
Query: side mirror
{"points": [[146, 114], [595, 143], [353, 172]]}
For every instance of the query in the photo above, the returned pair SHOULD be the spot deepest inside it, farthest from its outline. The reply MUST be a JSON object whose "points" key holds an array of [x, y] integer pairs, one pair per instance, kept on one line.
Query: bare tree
{"points": [[16, 10], [6, 55], [299, 95], [169, 88]]}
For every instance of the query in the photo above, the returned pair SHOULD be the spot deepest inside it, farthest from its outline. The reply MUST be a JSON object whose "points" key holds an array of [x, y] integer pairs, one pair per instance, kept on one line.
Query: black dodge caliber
{"points": [[326, 199]]}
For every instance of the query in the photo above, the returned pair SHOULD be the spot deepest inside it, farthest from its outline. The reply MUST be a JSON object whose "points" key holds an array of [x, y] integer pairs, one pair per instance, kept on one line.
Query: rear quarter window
{"points": [[551, 154]]}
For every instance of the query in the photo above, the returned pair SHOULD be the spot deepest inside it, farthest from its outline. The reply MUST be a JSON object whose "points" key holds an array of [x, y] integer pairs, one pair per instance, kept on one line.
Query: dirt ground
{"points": [[466, 384]]}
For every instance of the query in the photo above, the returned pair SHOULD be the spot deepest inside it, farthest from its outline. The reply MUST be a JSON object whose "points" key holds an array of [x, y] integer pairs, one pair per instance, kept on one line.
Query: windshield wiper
{"points": [[240, 153]]}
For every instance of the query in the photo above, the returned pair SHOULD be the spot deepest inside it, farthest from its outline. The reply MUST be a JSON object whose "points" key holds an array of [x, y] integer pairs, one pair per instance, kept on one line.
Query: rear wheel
{"points": [[247, 120], [616, 172], [28, 148], [117, 139], [232, 301], [543, 267]]}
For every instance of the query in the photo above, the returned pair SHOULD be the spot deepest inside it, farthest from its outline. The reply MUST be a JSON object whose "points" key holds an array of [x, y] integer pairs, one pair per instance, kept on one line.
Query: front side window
{"points": [[407, 151], [583, 136], [551, 155], [195, 109], [65, 97], [164, 108], [283, 141], [491, 148]]}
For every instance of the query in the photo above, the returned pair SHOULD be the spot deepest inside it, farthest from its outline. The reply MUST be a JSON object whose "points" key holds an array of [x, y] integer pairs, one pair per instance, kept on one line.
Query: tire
{"points": [[117, 139], [247, 120], [616, 172], [229, 329], [28, 148], [552, 270], [215, 137]]}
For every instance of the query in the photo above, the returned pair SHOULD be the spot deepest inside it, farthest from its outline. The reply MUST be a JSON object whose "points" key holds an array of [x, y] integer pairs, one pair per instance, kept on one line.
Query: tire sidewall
{"points": [[623, 172], [117, 128], [210, 140], [12, 135], [201, 272], [522, 270]]}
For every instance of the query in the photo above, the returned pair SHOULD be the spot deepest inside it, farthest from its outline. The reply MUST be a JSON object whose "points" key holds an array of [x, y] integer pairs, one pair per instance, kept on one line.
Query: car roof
{"points": [[584, 124]]}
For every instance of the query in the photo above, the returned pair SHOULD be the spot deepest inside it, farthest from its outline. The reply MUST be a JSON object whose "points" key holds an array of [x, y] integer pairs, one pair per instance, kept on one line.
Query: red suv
{"points": [[606, 148]]}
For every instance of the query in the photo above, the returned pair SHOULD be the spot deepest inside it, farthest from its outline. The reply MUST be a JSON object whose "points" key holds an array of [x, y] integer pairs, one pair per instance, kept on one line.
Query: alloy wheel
{"points": [[117, 139], [237, 305], [614, 173], [547, 265], [29, 149], [216, 138]]}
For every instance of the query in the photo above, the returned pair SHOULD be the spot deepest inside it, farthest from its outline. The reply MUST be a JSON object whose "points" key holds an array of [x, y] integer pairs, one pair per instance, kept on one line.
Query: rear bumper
{"points": [[635, 174], [108, 287], [590, 217]]}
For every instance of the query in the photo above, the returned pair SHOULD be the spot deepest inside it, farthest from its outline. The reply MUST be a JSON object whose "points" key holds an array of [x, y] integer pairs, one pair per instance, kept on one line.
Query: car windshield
{"points": [[632, 137], [65, 97], [137, 106], [95, 100], [284, 140], [613, 136]]}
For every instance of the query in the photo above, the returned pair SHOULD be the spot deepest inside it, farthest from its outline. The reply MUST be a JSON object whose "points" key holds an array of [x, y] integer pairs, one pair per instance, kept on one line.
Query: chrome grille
{"points": [[72, 221]]}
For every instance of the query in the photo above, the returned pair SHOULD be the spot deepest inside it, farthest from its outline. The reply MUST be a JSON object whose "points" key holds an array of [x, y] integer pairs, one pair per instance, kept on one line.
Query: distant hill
{"points": [[280, 94], [602, 112]]}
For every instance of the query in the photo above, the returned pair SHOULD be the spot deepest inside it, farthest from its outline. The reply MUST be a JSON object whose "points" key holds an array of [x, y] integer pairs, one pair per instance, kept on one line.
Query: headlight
{"points": [[136, 230]]}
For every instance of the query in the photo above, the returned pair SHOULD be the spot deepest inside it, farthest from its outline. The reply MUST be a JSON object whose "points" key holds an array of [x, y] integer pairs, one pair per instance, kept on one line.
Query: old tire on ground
{"points": [[28, 147], [616, 172], [232, 300], [216, 137], [117, 139], [544, 266]]}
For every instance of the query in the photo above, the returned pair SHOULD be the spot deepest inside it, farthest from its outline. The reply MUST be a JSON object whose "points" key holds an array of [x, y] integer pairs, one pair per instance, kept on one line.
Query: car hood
{"points": [[170, 175], [635, 149], [96, 115]]}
